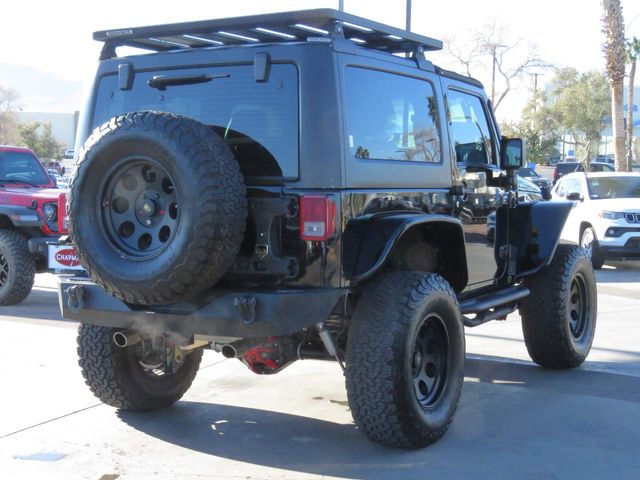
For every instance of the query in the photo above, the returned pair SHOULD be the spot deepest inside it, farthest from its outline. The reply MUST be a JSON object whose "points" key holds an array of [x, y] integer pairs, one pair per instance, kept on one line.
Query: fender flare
{"points": [[538, 226], [369, 240], [21, 216]]}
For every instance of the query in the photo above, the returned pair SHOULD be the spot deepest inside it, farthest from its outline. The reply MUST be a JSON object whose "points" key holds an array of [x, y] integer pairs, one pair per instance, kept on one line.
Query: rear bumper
{"points": [[225, 313]]}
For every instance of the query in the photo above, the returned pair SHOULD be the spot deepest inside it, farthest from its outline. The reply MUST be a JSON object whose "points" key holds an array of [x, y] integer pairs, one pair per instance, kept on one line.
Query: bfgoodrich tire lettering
{"points": [[402, 392], [559, 316]]}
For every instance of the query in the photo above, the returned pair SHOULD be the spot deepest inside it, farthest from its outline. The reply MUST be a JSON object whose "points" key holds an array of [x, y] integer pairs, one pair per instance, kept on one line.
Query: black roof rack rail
{"points": [[267, 28]]}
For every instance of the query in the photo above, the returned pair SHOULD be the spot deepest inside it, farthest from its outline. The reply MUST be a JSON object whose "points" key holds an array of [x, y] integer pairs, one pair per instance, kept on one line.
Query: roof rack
{"points": [[267, 28]]}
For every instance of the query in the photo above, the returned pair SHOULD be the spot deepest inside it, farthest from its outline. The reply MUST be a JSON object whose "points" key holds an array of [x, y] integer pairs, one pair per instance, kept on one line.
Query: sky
{"points": [[55, 36]]}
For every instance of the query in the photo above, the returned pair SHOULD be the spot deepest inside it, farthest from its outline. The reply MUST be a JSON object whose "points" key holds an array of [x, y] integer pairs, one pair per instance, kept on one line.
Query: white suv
{"points": [[606, 218]]}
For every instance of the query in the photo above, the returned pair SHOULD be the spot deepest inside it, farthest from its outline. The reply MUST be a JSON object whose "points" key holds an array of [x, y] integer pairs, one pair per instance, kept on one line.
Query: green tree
{"points": [[9, 133], [616, 57], [537, 127], [579, 103], [39, 138]]}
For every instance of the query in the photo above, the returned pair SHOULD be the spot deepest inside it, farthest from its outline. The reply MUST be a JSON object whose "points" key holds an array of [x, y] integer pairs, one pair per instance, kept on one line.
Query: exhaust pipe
{"points": [[126, 338], [239, 348]]}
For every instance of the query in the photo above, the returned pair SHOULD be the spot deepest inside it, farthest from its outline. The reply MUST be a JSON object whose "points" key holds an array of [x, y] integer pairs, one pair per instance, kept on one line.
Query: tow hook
{"points": [[247, 309], [75, 300]]}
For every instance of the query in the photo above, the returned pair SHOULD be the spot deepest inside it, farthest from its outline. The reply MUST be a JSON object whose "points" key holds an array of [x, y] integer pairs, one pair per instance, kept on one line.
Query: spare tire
{"points": [[157, 207]]}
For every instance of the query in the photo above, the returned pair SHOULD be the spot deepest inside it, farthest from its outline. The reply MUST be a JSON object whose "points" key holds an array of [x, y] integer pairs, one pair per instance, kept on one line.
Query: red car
{"points": [[32, 218]]}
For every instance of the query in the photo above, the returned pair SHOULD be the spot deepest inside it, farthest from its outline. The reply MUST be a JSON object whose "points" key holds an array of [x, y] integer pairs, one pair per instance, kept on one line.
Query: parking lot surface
{"points": [[515, 420]]}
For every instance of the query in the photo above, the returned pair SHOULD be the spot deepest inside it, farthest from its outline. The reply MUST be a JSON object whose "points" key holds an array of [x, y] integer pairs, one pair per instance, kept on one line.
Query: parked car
{"points": [[606, 219], [533, 176], [569, 167], [32, 218], [57, 166], [302, 192]]}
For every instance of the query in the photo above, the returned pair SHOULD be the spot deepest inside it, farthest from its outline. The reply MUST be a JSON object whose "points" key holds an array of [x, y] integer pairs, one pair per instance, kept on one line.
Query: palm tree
{"points": [[633, 53], [615, 56]]}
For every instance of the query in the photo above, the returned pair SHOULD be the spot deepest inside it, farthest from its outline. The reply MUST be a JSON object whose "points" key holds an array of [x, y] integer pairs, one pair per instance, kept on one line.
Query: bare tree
{"points": [[9, 133], [494, 49], [615, 56]]}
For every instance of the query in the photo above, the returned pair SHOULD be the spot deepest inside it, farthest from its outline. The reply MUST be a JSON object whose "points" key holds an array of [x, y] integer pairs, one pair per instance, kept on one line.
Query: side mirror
{"points": [[546, 193], [575, 196], [512, 154]]}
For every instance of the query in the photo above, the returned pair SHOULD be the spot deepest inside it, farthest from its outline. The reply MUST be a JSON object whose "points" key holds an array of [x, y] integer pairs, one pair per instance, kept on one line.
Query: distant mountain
{"points": [[41, 91]]}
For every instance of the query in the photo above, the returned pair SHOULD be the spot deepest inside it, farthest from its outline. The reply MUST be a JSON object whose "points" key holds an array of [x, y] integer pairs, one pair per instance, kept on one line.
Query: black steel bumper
{"points": [[39, 245], [225, 313]]}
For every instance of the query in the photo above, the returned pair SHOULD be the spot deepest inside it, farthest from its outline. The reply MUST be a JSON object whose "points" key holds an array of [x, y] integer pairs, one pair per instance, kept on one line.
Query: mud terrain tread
{"points": [[20, 281], [107, 371]]}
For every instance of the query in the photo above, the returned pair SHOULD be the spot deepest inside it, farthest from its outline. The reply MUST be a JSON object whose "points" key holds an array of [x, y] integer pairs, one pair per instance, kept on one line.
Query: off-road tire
{"points": [[115, 376], [381, 351], [211, 208], [558, 327], [589, 239], [17, 268]]}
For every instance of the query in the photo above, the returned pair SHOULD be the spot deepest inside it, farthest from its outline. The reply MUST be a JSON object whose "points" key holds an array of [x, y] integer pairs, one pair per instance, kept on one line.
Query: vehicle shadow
{"points": [[622, 272], [609, 385], [490, 418]]}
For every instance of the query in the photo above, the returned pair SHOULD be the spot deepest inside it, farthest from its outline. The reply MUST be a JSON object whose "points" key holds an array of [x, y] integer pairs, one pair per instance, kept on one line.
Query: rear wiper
{"points": [[15, 180], [161, 82]]}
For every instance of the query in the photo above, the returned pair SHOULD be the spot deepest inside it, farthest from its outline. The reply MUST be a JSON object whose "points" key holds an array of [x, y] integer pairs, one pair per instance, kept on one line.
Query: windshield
{"points": [[22, 167], [614, 187], [527, 172]]}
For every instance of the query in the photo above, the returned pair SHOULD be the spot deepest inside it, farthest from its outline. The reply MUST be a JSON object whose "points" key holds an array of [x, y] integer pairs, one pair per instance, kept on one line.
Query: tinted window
{"points": [[527, 172], [258, 120], [595, 167], [18, 166], [566, 167], [614, 187], [391, 117], [469, 128]]}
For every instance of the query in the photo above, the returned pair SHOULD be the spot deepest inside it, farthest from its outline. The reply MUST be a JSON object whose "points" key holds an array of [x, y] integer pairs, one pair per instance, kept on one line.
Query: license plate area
{"points": [[63, 257]]}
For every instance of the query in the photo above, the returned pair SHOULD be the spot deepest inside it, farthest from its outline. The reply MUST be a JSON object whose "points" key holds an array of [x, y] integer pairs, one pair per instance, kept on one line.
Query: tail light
{"points": [[317, 217], [63, 218]]}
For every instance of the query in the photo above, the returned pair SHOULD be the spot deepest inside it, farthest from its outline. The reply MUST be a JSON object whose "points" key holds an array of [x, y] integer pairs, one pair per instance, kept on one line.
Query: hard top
{"points": [[297, 26]]}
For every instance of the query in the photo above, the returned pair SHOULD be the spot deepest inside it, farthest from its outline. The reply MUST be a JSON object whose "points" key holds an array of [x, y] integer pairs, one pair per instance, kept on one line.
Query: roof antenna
{"points": [[408, 23], [341, 5]]}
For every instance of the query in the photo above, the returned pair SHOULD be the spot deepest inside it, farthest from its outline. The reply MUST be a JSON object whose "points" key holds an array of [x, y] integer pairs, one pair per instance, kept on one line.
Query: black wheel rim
{"points": [[140, 208], [429, 361], [578, 309], [4, 271]]}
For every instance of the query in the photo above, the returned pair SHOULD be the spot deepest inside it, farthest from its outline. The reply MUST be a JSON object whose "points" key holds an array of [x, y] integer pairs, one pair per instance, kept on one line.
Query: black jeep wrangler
{"points": [[307, 185]]}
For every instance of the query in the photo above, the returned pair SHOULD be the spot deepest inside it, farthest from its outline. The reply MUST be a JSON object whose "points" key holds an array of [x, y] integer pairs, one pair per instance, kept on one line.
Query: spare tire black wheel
{"points": [[157, 207]]}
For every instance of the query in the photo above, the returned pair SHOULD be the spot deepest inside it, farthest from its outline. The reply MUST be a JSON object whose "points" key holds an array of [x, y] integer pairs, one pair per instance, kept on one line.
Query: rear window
{"points": [[258, 120], [566, 167]]}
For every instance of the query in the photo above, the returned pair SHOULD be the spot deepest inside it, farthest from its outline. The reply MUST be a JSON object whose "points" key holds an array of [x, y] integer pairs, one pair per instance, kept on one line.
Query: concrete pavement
{"points": [[515, 420]]}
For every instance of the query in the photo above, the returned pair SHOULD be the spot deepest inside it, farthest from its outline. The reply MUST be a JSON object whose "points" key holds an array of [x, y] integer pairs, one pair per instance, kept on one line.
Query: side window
{"points": [[574, 187], [561, 191], [391, 117], [469, 129]]}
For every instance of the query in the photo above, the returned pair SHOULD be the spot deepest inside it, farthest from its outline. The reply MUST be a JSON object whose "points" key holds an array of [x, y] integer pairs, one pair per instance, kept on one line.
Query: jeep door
{"points": [[474, 153]]}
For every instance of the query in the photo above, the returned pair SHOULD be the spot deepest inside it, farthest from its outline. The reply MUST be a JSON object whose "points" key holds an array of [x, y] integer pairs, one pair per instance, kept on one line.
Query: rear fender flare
{"points": [[369, 242]]}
